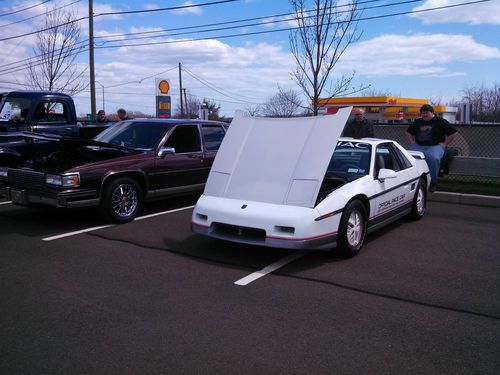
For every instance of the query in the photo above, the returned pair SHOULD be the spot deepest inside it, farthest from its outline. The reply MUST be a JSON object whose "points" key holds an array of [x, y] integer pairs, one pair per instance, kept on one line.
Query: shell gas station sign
{"points": [[163, 100]]}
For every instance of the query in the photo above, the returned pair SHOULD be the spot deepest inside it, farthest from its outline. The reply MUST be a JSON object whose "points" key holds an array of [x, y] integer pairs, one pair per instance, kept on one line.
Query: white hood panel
{"points": [[280, 161]]}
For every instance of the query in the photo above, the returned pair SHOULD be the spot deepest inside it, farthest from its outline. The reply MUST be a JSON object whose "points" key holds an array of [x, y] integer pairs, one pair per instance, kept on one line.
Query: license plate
{"points": [[17, 196]]}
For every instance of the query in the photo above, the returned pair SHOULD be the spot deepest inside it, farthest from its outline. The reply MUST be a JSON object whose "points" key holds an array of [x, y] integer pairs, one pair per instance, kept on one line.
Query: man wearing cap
{"points": [[431, 135], [359, 127]]}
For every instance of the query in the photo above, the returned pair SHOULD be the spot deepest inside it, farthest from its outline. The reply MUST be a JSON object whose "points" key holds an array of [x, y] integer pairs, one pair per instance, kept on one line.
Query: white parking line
{"points": [[5, 202], [63, 235], [271, 268], [52, 238], [162, 213]]}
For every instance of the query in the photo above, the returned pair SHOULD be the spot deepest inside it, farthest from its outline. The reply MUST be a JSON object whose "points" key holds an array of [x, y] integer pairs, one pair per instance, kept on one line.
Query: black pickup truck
{"points": [[42, 112]]}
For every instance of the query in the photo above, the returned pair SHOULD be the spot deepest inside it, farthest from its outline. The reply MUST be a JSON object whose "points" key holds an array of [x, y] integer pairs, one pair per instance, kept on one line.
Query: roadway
{"points": [[79, 296]]}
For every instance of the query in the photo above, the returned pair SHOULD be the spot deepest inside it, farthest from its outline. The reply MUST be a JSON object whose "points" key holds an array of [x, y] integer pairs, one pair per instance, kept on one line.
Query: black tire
{"points": [[352, 229], [419, 205], [121, 200]]}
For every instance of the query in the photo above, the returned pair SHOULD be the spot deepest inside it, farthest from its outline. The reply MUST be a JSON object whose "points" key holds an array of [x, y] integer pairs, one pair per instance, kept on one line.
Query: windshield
{"points": [[15, 109], [351, 158], [143, 136]]}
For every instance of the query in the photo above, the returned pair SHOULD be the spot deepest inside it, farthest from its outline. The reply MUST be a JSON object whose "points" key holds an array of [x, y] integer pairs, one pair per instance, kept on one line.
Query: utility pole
{"points": [[188, 114], [91, 59], [180, 85], [102, 86]]}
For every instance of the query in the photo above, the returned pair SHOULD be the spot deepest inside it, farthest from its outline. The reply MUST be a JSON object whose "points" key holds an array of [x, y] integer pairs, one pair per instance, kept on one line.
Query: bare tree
{"points": [[213, 108], [322, 36], [286, 103], [191, 107], [485, 102], [253, 110], [53, 66]]}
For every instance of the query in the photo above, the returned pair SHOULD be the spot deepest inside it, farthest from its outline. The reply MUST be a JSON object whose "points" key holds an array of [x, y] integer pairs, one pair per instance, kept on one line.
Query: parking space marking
{"points": [[5, 202], [162, 213], [76, 232], [63, 235], [271, 268]]}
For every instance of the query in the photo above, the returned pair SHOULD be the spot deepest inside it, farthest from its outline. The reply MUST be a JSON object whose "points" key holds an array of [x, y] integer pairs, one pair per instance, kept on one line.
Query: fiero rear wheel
{"points": [[122, 200], [352, 229], [419, 205]]}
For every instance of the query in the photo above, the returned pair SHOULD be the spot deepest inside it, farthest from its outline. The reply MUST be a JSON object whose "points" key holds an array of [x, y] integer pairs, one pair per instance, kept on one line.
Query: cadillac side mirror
{"points": [[166, 151]]}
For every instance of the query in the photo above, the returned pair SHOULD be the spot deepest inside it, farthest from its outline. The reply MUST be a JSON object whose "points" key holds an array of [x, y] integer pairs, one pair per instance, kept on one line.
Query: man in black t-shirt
{"points": [[431, 135]]}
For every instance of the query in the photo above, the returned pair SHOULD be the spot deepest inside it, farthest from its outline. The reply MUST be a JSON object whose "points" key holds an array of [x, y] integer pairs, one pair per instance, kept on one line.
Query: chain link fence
{"points": [[471, 140]]}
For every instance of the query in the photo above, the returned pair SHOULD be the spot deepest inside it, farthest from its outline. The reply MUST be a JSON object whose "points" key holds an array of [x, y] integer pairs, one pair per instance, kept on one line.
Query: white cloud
{"points": [[476, 14], [249, 74], [192, 10], [416, 55]]}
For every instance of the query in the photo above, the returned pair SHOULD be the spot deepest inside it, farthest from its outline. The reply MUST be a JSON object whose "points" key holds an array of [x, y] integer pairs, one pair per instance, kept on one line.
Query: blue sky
{"points": [[432, 54]]}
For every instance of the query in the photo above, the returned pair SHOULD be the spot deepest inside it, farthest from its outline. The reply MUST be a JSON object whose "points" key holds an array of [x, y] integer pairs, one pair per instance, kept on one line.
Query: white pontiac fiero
{"points": [[293, 183]]}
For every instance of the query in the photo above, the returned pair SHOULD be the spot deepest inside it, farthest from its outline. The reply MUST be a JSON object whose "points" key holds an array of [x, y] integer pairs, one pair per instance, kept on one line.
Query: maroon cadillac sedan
{"points": [[128, 163]]}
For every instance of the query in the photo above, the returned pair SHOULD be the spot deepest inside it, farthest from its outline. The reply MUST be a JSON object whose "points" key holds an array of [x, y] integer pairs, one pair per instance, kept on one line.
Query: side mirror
{"points": [[166, 151], [386, 173]]}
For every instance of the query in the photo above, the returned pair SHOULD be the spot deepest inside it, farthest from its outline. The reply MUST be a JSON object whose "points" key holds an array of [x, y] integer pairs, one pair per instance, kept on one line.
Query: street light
{"points": [[102, 86]]}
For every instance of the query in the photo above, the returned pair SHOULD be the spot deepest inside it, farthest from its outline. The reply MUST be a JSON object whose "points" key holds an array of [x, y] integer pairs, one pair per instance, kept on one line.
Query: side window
{"points": [[385, 157], [402, 158], [53, 112], [184, 139], [213, 136]]}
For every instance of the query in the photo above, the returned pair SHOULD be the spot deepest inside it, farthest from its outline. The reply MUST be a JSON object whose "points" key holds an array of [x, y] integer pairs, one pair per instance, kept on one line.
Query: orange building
{"points": [[385, 109]]}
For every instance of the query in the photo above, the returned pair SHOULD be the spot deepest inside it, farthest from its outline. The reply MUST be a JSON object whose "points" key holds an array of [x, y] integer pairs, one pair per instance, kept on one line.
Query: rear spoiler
{"points": [[417, 155]]}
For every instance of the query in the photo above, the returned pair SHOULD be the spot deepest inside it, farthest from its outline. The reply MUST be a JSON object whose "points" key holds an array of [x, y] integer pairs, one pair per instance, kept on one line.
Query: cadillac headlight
{"points": [[3, 172], [65, 180]]}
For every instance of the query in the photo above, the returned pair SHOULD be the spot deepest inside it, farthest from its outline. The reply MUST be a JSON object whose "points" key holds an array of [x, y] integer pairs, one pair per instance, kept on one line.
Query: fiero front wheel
{"points": [[352, 229], [122, 200]]}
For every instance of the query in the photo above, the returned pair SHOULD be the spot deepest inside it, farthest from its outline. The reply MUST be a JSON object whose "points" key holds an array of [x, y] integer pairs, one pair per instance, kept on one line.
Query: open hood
{"points": [[275, 160]]}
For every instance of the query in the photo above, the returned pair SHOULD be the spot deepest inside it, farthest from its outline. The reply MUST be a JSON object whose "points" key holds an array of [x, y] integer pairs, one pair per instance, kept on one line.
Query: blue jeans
{"points": [[433, 156]]}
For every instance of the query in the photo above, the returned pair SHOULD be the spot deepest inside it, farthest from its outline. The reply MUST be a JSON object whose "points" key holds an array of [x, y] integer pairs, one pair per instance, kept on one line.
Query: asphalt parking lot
{"points": [[79, 296]]}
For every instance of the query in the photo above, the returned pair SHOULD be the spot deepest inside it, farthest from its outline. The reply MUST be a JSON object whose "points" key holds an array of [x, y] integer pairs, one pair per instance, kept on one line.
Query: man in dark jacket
{"points": [[431, 135], [359, 127]]}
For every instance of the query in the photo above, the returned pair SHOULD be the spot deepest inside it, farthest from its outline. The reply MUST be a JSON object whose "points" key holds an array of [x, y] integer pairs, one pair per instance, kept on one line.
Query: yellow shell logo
{"points": [[164, 87]]}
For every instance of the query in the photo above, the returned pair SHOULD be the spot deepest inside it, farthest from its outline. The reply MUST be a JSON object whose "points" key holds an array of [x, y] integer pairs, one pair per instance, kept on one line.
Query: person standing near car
{"points": [[359, 127], [101, 116], [122, 114], [430, 135]]}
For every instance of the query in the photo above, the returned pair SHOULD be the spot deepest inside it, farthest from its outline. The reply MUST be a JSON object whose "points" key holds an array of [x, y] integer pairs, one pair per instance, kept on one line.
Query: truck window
{"points": [[15, 110], [185, 138], [213, 136], [52, 112]]}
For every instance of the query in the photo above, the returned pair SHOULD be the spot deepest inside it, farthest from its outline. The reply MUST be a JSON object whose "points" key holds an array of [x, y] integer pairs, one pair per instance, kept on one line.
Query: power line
{"points": [[236, 21], [294, 28], [32, 58], [41, 14], [15, 69], [23, 9], [164, 9], [42, 30], [115, 13], [252, 24], [215, 88]]}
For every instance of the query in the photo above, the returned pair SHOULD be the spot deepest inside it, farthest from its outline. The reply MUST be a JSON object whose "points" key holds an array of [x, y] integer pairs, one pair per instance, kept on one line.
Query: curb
{"points": [[466, 199]]}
